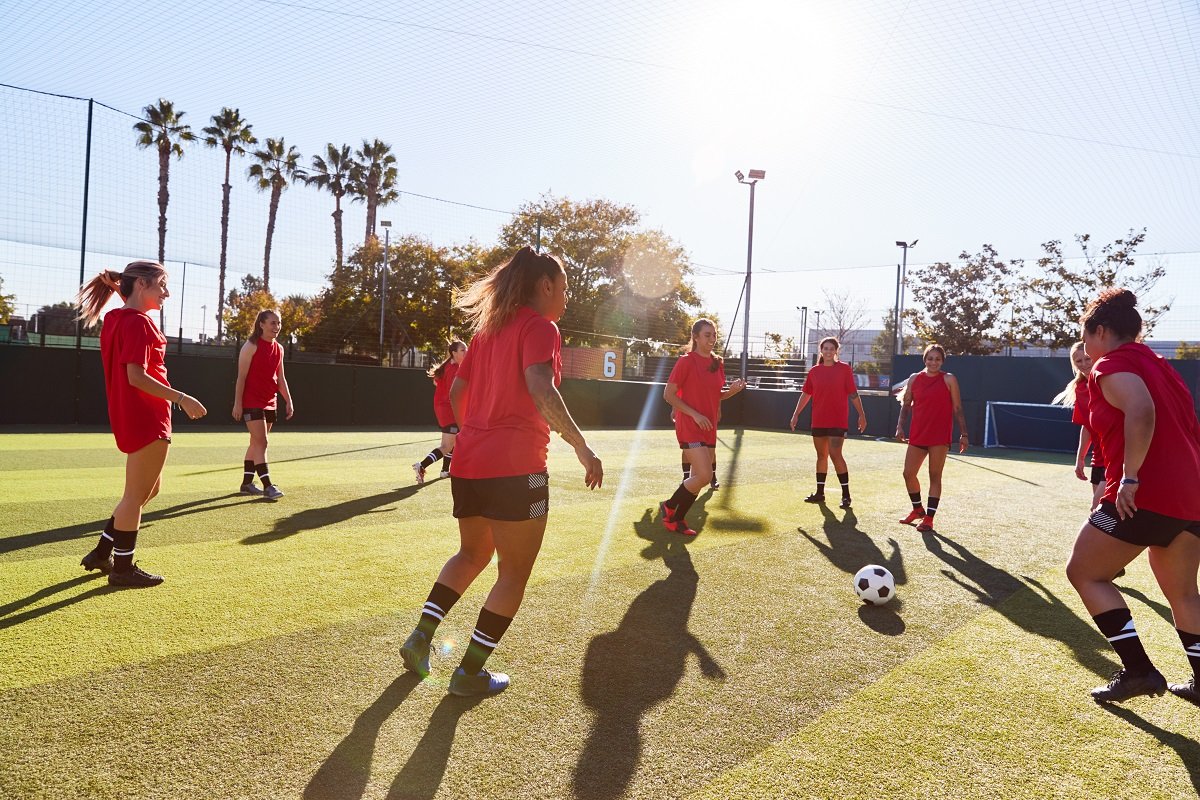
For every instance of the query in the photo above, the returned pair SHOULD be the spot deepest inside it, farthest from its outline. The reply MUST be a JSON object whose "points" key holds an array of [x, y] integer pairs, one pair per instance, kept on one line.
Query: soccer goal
{"points": [[1030, 426]]}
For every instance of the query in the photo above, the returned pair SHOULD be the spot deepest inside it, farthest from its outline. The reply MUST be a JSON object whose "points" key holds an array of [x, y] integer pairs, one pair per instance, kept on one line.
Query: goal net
{"points": [[1030, 426]]}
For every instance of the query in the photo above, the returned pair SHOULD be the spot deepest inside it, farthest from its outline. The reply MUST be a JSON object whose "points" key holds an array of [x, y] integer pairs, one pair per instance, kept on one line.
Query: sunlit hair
{"points": [[1115, 309], [1067, 396], [932, 348], [258, 323], [491, 302], [436, 372], [95, 294], [698, 326]]}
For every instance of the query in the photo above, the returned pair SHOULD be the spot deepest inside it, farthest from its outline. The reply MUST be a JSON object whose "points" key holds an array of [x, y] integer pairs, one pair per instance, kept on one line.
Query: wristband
{"points": [[1129, 481]]}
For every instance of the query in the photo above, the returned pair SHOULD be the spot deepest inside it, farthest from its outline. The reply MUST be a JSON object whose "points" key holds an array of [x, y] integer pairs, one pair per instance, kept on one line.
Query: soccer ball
{"points": [[874, 585]]}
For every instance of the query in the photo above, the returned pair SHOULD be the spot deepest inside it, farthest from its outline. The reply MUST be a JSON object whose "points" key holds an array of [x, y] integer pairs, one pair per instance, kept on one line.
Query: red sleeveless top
{"points": [[261, 382], [932, 412]]}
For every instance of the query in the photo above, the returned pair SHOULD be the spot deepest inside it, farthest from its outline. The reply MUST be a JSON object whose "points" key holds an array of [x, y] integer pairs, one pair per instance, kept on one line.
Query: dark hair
{"points": [[833, 339], [436, 372], [1116, 310], [258, 321], [696, 326], [490, 302], [94, 294], [933, 347]]}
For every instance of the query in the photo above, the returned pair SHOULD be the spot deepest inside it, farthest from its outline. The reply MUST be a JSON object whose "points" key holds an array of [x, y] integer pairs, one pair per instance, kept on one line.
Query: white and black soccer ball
{"points": [[875, 585]]}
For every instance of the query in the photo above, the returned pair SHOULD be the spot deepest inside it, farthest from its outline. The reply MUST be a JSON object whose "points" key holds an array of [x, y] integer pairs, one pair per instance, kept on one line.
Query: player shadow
{"points": [[9, 619], [851, 549], [729, 485], [312, 518], [1039, 612], [1187, 747], [1162, 609], [422, 774], [309, 458], [630, 670]]}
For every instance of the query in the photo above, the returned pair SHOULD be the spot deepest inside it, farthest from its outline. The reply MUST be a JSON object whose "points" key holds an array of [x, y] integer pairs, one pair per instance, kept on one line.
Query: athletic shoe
{"points": [[483, 683], [815, 497], [1187, 690], [845, 502], [272, 492], [926, 525], [250, 488], [668, 514], [134, 577], [681, 527], [94, 560], [415, 652], [1125, 685], [913, 516], [420, 473], [444, 474]]}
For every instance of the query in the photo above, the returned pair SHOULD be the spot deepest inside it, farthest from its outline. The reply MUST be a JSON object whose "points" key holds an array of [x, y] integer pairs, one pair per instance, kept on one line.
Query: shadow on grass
{"points": [[312, 518], [851, 549], [423, 772], [1186, 746], [973, 462], [883, 619], [1039, 612], [232, 470], [1162, 609], [628, 671], [9, 619]]}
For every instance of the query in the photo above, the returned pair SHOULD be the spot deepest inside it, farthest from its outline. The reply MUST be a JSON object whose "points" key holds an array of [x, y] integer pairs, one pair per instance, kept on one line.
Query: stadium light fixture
{"points": [[900, 281], [756, 175]]}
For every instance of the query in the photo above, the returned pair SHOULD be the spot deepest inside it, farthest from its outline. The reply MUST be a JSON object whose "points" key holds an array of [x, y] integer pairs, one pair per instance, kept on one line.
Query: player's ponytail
{"points": [[1067, 396], [436, 372], [94, 295], [490, 302], [1115, 309]]}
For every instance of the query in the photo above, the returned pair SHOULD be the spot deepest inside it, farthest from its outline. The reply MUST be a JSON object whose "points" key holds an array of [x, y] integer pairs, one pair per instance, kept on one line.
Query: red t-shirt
{"points": [[504, 434], [1170, 474], [1079, 415], [700, 387], [441, 395], [131, 337], [830, 386], [262, 382], [932, 411]]}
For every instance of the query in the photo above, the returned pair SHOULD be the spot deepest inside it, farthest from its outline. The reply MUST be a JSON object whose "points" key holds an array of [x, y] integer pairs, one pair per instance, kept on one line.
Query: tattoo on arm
{"points": [[552, 408]]}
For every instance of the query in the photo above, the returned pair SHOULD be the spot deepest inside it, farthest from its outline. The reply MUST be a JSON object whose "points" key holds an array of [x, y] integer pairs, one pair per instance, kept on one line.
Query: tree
{"points": [[6, 304], [333, 174], [163, 129], [244, 304], [1187, 351], [846, 313], [779, 350], [1060, 293], [278, 165], [298, 314], [963, 303], [232, 134], [374, 179], [59, 320], [885, 343]]}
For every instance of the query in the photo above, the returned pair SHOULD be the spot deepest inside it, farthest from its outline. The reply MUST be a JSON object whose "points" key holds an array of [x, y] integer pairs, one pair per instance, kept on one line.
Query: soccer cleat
{"points": [[913, 516], [134, 577], [482, 683], [420, 473], [250, 488], [444, 474], [94, 560], [845, 501], [668, 513], [272, 492], [815, 497], [1125, 685], [415, 652], [1187, 690], [681, 527], [926, 525]]}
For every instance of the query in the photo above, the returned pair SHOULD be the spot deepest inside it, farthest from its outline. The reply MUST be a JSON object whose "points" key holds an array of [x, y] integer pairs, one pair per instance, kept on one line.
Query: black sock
{"points": [[916, 501], [441, 599], [1191, 646], [264, 474], [1117, 627], [931, 507], [714, 477], [105, 545], [687, 469], [488, 631], [821, 476], [844, 479], [433, 456], [684, 505], [123, 544], [446, 462], [247, 472]]}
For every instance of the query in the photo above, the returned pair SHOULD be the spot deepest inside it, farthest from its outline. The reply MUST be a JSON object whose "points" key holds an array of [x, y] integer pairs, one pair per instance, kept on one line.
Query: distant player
{"points": [[932, 399], [828, 385], [1076, 395], [1146, 420], [443, 378], [695, 390], [506, 396], [260, 377], [139, 405]]}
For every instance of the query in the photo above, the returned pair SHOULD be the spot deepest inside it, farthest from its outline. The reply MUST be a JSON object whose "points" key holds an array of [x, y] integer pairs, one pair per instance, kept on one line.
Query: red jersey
{"points": [[441, 395], [1170, 474], [1079, 415], [262, 379], [830, 386], [504, 434], [700, 387], [932, 410], [131, 337]]}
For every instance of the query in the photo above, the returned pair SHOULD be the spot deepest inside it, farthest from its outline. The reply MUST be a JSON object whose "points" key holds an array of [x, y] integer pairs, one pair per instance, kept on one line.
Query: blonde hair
{"points": [[691, 348], [1067, 396], [491, 302], [95, 294]]}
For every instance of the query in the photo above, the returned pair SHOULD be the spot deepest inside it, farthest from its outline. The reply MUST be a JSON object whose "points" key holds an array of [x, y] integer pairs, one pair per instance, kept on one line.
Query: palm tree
{"points": [[164, 129], [232, 134], [374, 179], [334, 173], [278, 165]]}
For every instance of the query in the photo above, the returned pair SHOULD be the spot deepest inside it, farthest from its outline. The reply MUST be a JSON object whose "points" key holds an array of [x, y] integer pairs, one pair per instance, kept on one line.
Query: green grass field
{"points": [[739, 664]]}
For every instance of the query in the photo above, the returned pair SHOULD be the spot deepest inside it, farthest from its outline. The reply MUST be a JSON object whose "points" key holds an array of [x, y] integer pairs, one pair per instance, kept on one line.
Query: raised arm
{"points": [[539, 380]]}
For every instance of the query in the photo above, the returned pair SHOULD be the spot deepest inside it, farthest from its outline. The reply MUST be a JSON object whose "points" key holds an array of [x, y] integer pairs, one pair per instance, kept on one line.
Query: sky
{"points": [[952, 123]]}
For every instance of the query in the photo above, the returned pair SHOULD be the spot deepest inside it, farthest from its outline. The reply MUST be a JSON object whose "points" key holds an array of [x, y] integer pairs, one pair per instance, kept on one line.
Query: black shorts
{"points": [[452, 429], [512, 499], [839, 433], [1097, 474], [250, 414], [696, 445], [1145, 528]]}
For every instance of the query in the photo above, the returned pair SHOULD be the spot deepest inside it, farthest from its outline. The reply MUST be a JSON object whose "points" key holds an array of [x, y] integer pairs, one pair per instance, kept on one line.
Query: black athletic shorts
{"points": [[512, 499], [1145, 528], [250, 414], [1097, 474], [696, 445], [836, 432], [450, 428]]}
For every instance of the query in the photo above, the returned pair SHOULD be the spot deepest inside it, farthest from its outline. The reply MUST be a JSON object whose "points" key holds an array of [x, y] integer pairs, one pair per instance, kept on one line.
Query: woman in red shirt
{"points": [[695, 390], [828, 385], [931, 398], [506, 397], [1146, 420], [139, 405], [443, 378], [1076, 396], [260, 378]]}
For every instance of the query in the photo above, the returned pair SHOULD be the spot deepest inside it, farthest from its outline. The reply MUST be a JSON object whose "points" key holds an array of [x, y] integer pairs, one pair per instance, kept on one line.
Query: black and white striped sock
{"points": [[932, 506], [247, 472], [821, 476], [441, 599], [105, 545], [488, 631], [1117, 627], [431, 457], [844, 479], [1191, 646], [264, 474], [446, 462], [915, 497], [123, 546]]}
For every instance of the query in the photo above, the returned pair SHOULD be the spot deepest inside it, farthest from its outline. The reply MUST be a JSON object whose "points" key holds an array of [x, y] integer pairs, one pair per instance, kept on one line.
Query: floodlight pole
{"points": [[387, 234], [900, 306], [755, 176]]}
